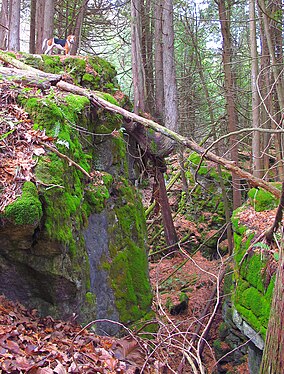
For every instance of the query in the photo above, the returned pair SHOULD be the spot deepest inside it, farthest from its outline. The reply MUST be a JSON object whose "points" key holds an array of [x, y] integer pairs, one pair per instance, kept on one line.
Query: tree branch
{"points": [[229, 165]]}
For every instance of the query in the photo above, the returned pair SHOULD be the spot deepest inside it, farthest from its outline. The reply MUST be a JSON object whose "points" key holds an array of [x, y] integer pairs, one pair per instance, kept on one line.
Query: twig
{"points": [[71, 162]]}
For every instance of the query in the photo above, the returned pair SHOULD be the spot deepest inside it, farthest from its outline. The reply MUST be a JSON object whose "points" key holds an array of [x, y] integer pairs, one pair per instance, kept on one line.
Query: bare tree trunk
{"points": [[278, 80], [159, 77], [186, 142], [169, 229], [14, 25], [224, 16], [4, 24], [138, 73], [39, 25], [169, 71], [256, 158], [147, 54], [78, 26], [32, 48], [48, 19], [265, 94]]}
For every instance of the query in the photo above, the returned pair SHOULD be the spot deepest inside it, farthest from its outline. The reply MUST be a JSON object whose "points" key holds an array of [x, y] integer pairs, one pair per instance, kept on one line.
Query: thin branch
{"points": [[70, 162]]}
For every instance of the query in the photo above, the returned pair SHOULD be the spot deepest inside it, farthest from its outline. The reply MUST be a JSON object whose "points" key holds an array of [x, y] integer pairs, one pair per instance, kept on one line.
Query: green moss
{"points": [[269, 291], [129, 266], [130, 284], [108, 97], [96, 196], [261, 199], [52, 64], [236, 226], [69, 197], [251, 297], [91, 81], [194, 160], [76, 67], [252, 320], [90, 298], [126, 300], [252, 271], [64, 205], [27, 209]]}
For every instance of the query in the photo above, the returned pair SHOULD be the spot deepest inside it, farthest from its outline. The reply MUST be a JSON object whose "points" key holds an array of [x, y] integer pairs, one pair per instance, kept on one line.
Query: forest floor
{"points": [[34, 345]]}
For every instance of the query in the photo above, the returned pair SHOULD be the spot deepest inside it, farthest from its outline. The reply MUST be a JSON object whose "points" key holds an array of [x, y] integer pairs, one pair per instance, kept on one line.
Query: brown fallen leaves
{"points": [[33, 345], [19, 143]]}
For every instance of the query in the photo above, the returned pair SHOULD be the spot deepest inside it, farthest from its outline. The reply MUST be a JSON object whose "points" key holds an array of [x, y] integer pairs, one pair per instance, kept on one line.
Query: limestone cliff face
{"points": [[70, 244]]}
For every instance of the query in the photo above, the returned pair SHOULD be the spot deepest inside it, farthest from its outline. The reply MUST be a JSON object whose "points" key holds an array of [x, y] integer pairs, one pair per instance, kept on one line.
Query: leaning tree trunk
{"points": [[149, 124], [162, 199]]}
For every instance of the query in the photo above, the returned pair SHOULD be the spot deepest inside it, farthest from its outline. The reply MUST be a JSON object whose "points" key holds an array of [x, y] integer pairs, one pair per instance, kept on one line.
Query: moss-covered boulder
{"points": [[248, 290], [253, 291], [88, 71], [262, 200], [74, 242]]}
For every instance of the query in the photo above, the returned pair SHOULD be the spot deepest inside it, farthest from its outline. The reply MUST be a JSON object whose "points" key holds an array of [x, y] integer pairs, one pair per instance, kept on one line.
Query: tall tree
{"points": [[266, 96], [4, 24], [224, 8], [274, 44], [255, 96], [14, 25], [138, 71], [169, 68], [159, 76], [32, 48], [40, 5], [48, 26], [81, 13]]}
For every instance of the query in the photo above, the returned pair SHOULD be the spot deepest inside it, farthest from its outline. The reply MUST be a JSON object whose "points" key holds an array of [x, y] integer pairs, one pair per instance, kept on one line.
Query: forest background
{"points": [[209, 70], [204, 68]]}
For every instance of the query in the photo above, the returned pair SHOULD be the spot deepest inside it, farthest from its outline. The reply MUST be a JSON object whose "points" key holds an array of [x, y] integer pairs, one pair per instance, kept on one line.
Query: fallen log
{"points": [[40, 79], [147, 123], [17, 63], [229, 165]]}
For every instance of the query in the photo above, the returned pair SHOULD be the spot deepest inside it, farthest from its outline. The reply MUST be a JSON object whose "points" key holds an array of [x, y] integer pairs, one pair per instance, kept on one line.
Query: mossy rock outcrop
{"points": [[87, 71], [205, 204], [249, 288], [72, 244], [253, 292]]}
